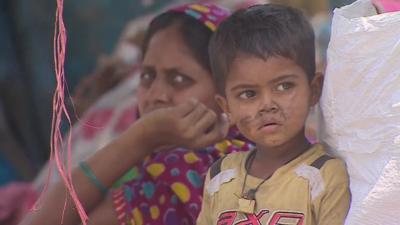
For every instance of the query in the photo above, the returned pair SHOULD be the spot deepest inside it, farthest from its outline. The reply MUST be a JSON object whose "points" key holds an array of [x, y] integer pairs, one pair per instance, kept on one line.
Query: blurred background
{"points": [[102, 47]]}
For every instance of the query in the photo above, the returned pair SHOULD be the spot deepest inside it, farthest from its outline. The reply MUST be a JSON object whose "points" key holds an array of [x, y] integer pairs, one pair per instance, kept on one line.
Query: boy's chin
{"points": [[270, 142], [274, 141], [278, 139]]}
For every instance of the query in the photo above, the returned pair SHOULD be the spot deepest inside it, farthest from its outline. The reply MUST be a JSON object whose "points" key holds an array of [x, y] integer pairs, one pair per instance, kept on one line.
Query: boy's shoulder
{"points": [[230, 161], [315, 162], [330, 168], [225, 170], [334, 172], [318, 157]]}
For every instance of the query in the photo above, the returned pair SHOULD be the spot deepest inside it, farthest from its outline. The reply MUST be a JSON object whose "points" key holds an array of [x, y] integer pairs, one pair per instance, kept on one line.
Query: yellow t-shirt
{"points": [[310, 190]]}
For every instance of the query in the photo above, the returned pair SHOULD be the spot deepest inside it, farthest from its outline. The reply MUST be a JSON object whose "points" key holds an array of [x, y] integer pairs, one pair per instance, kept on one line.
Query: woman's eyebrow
{"points": [[148, 68], [172, 71]]}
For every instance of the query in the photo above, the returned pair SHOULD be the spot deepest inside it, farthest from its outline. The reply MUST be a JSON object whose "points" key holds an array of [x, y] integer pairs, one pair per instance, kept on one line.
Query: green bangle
{"points": [[89, 174]]}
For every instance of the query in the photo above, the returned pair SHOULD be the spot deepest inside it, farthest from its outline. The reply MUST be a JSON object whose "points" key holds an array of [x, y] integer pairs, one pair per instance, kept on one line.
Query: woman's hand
{"points": [[190, 125]]}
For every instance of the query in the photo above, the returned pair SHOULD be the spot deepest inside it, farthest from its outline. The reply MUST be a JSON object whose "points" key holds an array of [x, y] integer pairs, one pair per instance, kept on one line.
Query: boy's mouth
{"points": [[269, 125]]}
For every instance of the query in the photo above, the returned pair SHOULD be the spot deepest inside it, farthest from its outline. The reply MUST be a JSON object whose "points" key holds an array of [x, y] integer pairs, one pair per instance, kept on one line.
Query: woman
{"points": [[177, 108]]}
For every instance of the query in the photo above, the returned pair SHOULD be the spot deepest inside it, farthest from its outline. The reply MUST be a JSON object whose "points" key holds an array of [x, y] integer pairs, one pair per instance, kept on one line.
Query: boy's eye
{"points": [[284, 86], [247, 94]]}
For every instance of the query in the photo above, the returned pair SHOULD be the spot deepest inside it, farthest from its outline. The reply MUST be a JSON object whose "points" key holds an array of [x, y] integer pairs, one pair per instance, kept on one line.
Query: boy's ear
{"points": [[223, 104], [316, 88]]}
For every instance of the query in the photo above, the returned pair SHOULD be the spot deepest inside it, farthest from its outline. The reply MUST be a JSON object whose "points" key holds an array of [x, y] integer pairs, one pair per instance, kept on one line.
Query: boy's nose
{"points": [[268, 108], [267, 105]]}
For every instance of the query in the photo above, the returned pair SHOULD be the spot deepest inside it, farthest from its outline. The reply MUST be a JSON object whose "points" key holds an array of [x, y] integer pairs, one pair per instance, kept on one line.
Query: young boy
{"points": [[263, 60]]}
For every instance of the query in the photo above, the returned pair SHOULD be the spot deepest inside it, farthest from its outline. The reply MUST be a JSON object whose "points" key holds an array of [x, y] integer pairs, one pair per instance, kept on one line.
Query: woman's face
{"points": [[171, 75]]}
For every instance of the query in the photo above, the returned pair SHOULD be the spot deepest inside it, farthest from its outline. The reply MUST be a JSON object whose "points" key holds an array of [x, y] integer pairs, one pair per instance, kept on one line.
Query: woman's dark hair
{"points": [[195, 34]]}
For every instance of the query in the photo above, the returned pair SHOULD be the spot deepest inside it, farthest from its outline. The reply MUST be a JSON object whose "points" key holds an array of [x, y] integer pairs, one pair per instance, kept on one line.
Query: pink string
{"points": [[60, 110]]}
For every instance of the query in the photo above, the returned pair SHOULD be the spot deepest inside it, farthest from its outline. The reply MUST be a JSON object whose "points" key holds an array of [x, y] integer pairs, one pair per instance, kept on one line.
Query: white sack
{"points": [[360, 109]]}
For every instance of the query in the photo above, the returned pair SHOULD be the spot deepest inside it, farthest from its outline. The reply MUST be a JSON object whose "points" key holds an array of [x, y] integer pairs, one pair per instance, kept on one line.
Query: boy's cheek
{"points": [[295, 105], [243, 113], [244, 126], [244, 121]]}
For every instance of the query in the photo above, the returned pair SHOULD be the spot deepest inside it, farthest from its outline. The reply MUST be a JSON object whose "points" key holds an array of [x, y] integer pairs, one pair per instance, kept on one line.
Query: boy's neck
{"points": [[267, 160]]}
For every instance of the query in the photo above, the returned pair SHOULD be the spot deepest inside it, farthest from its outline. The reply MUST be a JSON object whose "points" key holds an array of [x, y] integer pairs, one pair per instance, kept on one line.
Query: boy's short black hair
{"points": [[196, 35], [263, 31]]}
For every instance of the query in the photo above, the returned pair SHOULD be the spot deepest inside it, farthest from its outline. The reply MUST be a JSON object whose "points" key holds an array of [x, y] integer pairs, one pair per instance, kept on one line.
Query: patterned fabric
{"points": [[169, 189], [211, 15]]}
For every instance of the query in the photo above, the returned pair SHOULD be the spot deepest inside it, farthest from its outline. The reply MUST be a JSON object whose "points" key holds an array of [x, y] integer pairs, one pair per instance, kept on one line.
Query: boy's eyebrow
{"points": [[283, 77], [275, 80], [242, 86]]}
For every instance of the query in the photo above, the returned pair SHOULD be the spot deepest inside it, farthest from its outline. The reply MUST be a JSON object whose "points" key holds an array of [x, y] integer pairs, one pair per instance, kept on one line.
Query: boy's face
{"points": [[269, 100]]}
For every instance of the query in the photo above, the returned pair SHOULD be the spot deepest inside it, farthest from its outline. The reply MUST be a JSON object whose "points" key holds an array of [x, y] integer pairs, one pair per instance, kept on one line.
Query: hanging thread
{"points": [[60, 110]]}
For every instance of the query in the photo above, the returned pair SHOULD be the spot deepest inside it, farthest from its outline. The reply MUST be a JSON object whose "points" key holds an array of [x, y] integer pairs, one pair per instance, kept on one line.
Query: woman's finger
{"points": [[186, 108], [206, 122], [194, 116], [216, 134]]}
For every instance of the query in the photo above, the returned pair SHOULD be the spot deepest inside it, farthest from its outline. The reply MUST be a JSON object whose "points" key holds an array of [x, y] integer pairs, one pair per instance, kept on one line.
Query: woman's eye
{"points": [[180, 80], [284, 86], [247, 94], [145, 76], [146, 79]]}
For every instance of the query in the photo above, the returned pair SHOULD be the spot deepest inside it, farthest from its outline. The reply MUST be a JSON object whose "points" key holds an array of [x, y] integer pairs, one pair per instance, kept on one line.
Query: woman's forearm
{"points": [[108, 164]]}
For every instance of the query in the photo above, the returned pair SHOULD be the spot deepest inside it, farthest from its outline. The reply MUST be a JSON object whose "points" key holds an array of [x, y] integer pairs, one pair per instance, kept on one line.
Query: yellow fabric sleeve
{"points": [[204, 217], [332, 207]]}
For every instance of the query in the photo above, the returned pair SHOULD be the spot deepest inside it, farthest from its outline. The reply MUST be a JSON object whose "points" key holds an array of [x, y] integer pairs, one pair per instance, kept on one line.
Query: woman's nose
{"points": [[160, 92]]}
